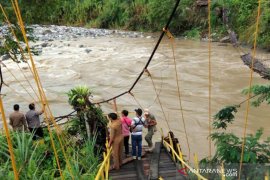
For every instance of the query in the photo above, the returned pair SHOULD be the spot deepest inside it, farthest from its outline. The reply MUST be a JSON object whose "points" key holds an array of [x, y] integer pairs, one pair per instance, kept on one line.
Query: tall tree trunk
{"points": [[87, 126]]}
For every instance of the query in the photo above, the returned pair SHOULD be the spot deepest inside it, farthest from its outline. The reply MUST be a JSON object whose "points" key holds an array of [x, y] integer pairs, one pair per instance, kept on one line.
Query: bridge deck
{"points": [[152, 166]]}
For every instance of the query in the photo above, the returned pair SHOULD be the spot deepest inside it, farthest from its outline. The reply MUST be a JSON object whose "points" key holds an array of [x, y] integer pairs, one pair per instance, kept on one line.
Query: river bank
{"points": [[190, 19]]}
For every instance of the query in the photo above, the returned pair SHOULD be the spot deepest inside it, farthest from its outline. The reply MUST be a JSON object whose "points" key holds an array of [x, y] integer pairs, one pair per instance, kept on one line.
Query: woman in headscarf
{"points": [[116, 140]]}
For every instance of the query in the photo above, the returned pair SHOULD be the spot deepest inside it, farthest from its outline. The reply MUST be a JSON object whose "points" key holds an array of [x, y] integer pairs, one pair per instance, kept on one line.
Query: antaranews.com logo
{"points": [[227, 172]]}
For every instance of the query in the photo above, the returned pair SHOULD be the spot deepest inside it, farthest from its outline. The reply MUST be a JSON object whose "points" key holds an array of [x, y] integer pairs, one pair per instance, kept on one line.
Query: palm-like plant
{"points": [[87, 112], [79, 97]]}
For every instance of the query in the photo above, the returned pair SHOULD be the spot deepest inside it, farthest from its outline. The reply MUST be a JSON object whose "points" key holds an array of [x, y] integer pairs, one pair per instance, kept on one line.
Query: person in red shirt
{"points": [[126, 123]]}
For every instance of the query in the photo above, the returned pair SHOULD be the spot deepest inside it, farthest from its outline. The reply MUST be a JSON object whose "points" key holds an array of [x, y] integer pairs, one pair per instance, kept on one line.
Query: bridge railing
{"points": [[177, 155], [103, 172]]}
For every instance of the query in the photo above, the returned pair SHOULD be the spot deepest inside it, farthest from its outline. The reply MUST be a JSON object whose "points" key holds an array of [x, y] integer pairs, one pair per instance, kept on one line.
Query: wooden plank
{"points": [[139, 169], [176, 178], [168, 169], [124, 176], [154, 165], [128, 169]]}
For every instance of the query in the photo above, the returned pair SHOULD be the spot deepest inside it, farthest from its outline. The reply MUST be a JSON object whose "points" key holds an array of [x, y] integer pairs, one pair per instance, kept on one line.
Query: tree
{"points": [[90, 117], [14, 47], [229, 146]]}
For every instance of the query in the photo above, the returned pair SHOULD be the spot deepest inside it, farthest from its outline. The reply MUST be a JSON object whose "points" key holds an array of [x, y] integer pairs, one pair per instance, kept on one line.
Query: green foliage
{"points": [[90, 119], [256, 152], [9, 45], [151, 15], [228, 151], [261, 92], [224, 116], [193, 34], [29, 157], [157, 14], [229, 148], [78, 97], [37, 161]]}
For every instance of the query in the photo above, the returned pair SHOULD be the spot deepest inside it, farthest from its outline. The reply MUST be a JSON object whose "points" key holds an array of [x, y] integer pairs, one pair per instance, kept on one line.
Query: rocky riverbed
{"points": [[45, 34], [54, 32]]}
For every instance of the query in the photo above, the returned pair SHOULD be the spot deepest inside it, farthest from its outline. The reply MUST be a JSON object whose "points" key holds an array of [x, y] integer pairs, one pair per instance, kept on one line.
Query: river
{"points": [[110, 64]]}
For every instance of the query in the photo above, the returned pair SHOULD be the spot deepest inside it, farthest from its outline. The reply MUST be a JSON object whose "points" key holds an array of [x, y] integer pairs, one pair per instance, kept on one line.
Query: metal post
{"points": [[180, 155], [171, 143], [196, 162], [222, 172]]}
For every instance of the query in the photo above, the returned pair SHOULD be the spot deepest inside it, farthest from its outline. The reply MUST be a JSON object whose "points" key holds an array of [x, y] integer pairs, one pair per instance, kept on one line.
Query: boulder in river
{"points": [[225, 39], [87, 50], [45, 44], [47, 31], [5, 57]]}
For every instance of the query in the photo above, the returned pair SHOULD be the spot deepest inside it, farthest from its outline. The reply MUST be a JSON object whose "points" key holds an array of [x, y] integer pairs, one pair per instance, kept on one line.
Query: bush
{"points": [[37, 161]]}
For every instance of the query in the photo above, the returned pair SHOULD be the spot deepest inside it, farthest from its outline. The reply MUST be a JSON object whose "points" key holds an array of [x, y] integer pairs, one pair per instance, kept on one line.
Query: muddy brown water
{"points": [[113, 64]]}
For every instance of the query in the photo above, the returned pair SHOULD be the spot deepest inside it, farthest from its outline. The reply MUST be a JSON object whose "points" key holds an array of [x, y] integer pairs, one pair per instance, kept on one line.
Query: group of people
{"points": [[29, 121], [121, 128]]}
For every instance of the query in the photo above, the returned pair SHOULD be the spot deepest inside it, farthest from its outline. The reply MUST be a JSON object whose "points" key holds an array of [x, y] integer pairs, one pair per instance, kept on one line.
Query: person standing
{"points": [[33, 121], [136, 134], [150, 125], [116, 140], [17, 119], [126, 123]]}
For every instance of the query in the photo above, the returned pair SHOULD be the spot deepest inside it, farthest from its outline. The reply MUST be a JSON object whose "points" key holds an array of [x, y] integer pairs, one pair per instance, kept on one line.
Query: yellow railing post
{"points": [[266, 175], [105, 161], [108, 162], [180, 154], [170, 147], [103, 172], [222, 172], [171, 143], [196, 163], [162, 134], [10, 146], [102, 175]]}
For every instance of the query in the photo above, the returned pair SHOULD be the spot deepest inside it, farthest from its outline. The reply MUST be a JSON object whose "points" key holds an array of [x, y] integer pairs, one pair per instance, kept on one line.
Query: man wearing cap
{"points": [[150, 125], [136, 134]]}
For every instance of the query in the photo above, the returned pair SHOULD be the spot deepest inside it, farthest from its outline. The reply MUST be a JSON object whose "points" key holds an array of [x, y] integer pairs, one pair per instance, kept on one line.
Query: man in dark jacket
{"points": [[32, 118]]}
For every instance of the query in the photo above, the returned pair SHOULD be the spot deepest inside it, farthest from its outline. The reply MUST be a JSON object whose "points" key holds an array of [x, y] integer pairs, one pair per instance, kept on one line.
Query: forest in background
{"points": [[151, 15]]}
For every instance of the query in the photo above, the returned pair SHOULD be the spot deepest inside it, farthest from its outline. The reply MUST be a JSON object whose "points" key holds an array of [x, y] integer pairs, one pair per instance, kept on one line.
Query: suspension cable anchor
{"points": [[168, 33], [147, 71], [131, 93]]}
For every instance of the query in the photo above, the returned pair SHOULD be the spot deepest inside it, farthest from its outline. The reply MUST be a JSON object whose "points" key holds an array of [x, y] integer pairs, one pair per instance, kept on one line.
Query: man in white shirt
{"points": [[136, 134]]}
